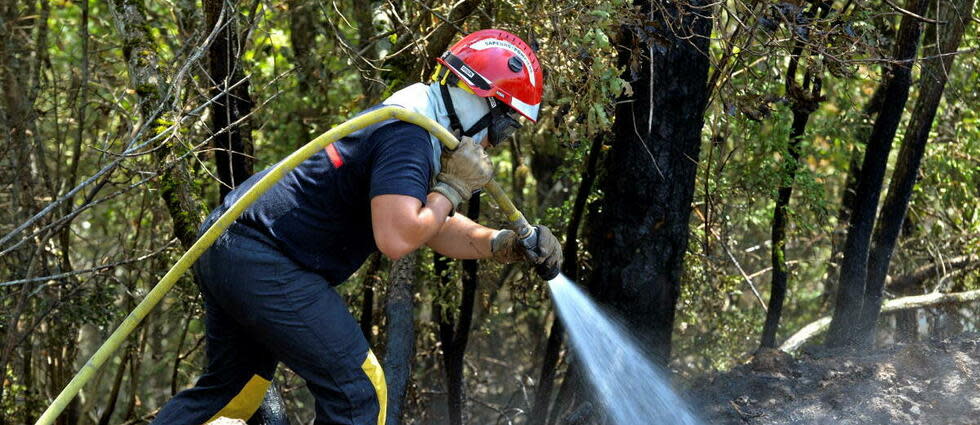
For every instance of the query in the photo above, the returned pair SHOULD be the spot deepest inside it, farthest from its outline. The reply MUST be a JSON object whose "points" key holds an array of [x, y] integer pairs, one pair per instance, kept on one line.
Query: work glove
{"points": [[506, 248], [464, 171]]}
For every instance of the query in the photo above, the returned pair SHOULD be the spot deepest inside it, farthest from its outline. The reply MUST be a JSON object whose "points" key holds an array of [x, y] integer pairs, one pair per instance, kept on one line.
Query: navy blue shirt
{"points": [[320, 213]]}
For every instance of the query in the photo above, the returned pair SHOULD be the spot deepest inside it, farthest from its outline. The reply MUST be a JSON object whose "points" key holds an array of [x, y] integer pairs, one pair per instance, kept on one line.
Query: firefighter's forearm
{"points": [[461, 238]]}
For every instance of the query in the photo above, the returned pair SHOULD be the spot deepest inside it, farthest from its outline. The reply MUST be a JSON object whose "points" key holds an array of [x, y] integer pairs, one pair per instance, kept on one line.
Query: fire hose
{"points": [[527, 233]]}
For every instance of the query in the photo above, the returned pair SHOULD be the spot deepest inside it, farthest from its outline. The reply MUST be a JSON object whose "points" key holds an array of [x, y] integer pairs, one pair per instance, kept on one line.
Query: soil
{"points": [[935, 382]]}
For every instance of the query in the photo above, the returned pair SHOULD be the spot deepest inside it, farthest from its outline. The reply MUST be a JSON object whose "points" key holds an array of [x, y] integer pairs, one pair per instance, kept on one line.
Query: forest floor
{"points": [[935, 382]]}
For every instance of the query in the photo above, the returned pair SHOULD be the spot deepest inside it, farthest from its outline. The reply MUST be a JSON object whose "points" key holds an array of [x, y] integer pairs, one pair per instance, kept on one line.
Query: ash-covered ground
{"points": [[935, 382]]}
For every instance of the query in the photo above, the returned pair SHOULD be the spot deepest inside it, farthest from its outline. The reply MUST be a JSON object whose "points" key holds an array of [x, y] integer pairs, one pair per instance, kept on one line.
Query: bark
{"points": [[114, 391], [302, 36], [640, 227], [371, 87], [23, 35], [455, 336], [854, 268], [816, 327], [847, 196], [143, 65], [76, 152], [400, 334], [803, 105], [233, 155], [570, 387], [780, 272], [933, 82], [367, 303], [542, 398]]}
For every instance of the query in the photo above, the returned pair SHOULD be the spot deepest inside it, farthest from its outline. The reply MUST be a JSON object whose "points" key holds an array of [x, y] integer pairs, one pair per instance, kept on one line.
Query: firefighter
{"points": [[268, 281]]}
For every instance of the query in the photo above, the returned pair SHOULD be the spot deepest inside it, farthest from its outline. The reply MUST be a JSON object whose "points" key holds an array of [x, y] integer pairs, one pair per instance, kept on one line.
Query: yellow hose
{"points": [[226, 219]]}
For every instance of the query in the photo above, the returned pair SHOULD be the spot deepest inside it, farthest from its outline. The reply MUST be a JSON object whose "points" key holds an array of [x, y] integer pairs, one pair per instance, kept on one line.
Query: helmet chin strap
{"points": [[455, 126]]}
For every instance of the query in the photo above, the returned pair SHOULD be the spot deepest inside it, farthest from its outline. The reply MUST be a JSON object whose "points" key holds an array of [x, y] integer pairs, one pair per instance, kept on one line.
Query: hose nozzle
{"points": [[527, 234], [530, 243]]}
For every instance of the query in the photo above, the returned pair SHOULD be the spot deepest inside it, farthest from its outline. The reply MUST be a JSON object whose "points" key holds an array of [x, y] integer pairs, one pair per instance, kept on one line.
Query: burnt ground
{"points": [[935, 382]]}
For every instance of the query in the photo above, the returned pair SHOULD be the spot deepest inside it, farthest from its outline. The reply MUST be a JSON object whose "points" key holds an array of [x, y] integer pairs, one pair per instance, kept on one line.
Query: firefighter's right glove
{"points": [[464, 171]]}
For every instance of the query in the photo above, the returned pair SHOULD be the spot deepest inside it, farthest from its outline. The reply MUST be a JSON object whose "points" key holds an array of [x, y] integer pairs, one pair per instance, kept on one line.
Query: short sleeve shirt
{"points": [[320, 213]]}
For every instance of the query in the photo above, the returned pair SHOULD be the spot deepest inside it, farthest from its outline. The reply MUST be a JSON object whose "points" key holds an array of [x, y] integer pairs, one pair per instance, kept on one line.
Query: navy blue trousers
{"points": [[262, 308]]}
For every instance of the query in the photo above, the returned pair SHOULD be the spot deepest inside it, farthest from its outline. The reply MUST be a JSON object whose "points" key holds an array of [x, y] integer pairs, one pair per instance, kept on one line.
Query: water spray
{"points": [[630, 388], [528, 235]]}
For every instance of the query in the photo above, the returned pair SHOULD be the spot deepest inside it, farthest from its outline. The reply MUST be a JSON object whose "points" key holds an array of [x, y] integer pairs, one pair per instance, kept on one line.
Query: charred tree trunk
{"points": [[803, 105], [400, 334], [309, 74], [542, 398], [934, 77], [371, 278], [455, 336], [114, 392], [847, 197], [854, 268], [780, 273], [233, 152], [302, 36], [640, 228]]}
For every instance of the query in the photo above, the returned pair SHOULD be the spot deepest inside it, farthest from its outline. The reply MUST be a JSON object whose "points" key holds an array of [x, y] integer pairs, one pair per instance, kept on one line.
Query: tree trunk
{"points": [[176, 182], [367, 303], [640, 228], [114, 391], [400, 334], [455, 336], [934, 77], [542, 398], [780, 273], [871, 110], [853, 273], [371, 86], [233, 155], [18, 22], [803, 105]]}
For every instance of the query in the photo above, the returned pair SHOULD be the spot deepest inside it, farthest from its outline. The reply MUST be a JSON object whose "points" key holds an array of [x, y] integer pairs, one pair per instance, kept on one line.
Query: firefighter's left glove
{"points": [[464, 171], [507, 248]]}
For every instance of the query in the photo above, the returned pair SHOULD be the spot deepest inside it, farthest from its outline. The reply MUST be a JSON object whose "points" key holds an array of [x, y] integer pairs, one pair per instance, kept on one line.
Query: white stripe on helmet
{"points": [[530, 111], [504, 44]]}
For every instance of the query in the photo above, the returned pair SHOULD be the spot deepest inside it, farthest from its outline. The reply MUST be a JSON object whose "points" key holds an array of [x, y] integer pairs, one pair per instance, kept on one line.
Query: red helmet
{"points": [[497, 63]]}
